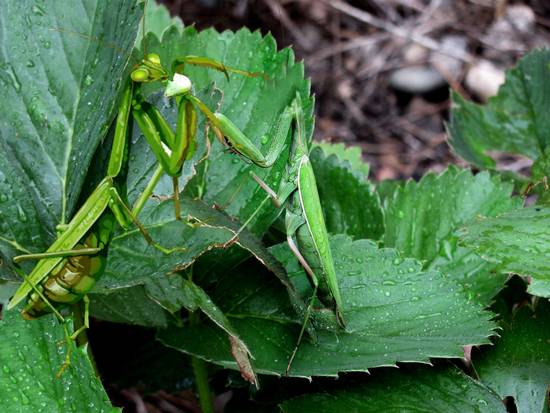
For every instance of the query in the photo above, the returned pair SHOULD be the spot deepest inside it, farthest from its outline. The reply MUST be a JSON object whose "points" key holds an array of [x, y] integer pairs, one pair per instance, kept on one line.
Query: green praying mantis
{"points": [[70, 266], [306, 232]]}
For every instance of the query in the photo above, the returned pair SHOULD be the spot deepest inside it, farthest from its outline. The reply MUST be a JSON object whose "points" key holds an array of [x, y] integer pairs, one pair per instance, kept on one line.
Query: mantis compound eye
{"points": [[179, 85], [153, 58], [140, 75]]}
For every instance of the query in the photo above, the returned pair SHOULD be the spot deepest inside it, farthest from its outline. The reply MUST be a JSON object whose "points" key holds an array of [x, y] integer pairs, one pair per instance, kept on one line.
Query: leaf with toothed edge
{"points": [[31, 355], [423, 219], [350, 155], [341, 176], [394, 312], [59, 87], [518, 365], [157, 19], [517, 242], [516, 120], [427, 389]]}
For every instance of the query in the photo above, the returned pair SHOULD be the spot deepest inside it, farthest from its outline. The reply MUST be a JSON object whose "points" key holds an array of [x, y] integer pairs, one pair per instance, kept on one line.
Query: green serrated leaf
{"points": [[387, 188], [128, 306], [59, 85], [131, 261], [515, 121], [350, 203], [422, 220], [518, 241], [157, 19], [519, 363], [394, 312], [351, 154], [31, 355], [424, 390]]}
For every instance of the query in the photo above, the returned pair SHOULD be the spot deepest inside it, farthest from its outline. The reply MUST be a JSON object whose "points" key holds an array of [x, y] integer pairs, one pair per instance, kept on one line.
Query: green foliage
{"points": [[416, 262], [423, 220], [515, 121], [58, 94], [394, 312], [31, 354], [519, 363], [518, 241], [424, 390], [350, 202]]}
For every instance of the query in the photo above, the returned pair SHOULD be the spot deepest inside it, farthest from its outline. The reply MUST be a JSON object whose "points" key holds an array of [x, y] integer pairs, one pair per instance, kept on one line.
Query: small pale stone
{"points": [[416, 79], [483, 79], [450, 66], [512, 32], [415, 54]]}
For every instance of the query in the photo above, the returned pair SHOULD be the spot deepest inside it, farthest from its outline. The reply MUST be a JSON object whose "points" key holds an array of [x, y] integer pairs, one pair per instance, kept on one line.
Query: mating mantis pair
{"points": [[69, 268]]}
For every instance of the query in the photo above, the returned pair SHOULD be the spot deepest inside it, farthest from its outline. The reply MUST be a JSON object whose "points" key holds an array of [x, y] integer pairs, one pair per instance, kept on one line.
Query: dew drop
{"points": [[22, 215], [12, 76], [39, 11]]}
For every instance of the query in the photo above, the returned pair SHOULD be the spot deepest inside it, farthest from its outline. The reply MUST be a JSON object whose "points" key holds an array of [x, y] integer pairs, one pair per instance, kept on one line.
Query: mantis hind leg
{"points": [[69, 338], [56, 254], [302, 330]]}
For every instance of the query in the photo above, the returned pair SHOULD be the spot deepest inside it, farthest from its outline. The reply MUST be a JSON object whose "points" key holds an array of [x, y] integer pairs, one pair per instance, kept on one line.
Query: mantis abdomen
{"points": [[72, 279], [307, 248], [312, 238]]}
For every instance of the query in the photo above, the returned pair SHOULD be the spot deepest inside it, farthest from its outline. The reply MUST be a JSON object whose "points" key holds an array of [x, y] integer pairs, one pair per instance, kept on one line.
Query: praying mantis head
{"points": [[149, 70]]}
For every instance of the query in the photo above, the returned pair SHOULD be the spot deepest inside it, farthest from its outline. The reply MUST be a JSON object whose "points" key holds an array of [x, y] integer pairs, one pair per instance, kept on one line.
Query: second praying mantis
{"points": [[306, 231]]}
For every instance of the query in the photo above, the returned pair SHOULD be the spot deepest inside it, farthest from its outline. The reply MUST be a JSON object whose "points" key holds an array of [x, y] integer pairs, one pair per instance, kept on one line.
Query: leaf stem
{"points": [[201, 375]]}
